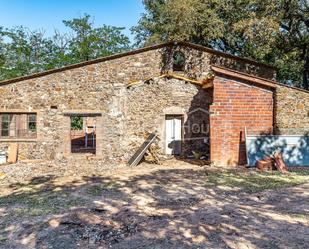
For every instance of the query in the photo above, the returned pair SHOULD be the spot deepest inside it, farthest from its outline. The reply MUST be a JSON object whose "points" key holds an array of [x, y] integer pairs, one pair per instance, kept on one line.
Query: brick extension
{"points": [[237, 105]]}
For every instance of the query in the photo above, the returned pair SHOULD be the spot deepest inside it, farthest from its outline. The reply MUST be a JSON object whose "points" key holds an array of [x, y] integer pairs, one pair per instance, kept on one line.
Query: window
{"points": [[18, 125], [179, 61], [32, 122], [5, 125]]}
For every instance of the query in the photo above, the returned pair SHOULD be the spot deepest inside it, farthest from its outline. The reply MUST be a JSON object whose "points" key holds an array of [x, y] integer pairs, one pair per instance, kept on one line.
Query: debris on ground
{"points": [[152, 155], [265, 164], [139, 154], [94, 229], [279, 163], [268, 163]]}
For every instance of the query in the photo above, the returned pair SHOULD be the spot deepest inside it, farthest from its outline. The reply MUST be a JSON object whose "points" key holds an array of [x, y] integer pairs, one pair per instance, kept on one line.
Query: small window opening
{"points": [[179, 61]]}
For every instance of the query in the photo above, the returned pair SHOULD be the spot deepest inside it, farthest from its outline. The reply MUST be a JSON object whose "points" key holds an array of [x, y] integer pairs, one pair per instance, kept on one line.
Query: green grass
{"points": [[254, 181], [300, 216], [36, 202], [97, 190], [40, 199]]}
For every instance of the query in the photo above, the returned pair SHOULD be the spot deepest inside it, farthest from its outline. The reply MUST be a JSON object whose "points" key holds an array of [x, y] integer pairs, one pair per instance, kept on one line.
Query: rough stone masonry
{"points": [[125, 115]]}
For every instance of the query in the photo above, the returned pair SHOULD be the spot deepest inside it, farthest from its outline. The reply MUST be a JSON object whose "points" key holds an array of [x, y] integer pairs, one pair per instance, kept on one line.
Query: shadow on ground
{"points": [[151, 208]]}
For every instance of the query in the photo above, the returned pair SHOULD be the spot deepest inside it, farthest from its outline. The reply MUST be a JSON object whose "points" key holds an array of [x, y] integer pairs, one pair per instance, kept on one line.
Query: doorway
{"points": [[173, 134], [83, 134]]}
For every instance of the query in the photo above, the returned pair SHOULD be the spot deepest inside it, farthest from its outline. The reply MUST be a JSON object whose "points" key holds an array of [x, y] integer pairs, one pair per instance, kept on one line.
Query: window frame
{"points": [[17, 127], [7, 122]]}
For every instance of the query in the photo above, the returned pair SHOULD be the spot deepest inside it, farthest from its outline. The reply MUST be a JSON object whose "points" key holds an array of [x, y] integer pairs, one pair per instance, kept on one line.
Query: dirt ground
{"points": [[174, 205]]}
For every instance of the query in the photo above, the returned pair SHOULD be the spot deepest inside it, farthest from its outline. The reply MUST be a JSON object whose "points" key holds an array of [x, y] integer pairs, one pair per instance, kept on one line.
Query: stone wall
{"points": [[93, 88], [126, 114], [198, 63], [292, 111], [148, 104], [237, 105]]}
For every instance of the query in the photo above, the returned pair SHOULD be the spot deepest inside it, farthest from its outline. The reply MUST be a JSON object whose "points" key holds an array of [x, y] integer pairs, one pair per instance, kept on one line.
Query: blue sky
{"points": [[48, 14]]}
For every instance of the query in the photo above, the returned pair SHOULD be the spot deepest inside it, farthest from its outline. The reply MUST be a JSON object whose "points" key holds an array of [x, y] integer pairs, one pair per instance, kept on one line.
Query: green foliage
{"points": [[89, 43], [24, 52], [270, 31], [77, 123]]}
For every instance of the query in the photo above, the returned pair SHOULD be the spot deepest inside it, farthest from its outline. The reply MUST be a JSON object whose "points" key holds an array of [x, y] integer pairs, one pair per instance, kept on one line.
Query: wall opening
{"points": [[83, 134], [173, 134], [179, 61]]}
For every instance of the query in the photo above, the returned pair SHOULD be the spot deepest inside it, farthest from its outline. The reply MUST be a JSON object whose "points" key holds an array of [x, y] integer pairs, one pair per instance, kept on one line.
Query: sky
{"points": [[48, 14]]}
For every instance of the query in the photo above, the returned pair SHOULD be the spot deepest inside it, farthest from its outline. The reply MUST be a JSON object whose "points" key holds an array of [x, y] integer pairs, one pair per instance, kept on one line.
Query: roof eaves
{"points": [[252, 78]]}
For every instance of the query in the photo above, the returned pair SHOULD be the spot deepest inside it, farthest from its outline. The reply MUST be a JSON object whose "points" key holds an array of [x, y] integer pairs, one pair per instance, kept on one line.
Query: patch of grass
{"points": [[40, 198], [300, 216], [254, 181], [34, 202], [53, 205], [3, 239], [97, 190]]}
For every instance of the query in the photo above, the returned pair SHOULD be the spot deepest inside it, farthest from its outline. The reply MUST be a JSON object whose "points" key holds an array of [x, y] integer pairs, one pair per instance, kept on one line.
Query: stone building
{"points": [[196, 99]]}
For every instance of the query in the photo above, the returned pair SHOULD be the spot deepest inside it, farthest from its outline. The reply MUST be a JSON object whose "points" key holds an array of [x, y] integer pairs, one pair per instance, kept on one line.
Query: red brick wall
{"points": [[237, 105]]}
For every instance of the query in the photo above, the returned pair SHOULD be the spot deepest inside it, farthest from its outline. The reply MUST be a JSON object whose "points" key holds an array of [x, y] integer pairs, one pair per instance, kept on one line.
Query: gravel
{"points": [[25, 171]]}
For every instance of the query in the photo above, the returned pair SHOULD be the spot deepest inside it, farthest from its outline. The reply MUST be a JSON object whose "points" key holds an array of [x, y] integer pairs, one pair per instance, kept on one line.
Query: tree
{"points": [[23, 51], [89, 43], [2, 58], [294, 39], [270, 31]]}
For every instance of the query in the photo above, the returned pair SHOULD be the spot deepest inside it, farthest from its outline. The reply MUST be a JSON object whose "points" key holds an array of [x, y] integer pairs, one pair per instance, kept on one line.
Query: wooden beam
{"points": [[180, 77], [202, 83], [208, 85]]}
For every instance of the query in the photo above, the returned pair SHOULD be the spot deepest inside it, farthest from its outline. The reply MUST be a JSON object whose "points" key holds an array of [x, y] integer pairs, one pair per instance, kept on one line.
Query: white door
{"points": [[173, 135]]}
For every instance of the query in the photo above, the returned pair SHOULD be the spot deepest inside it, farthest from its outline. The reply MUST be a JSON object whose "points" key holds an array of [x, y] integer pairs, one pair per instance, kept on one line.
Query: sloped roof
{"points": [[251, 78], [136, 51]]}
